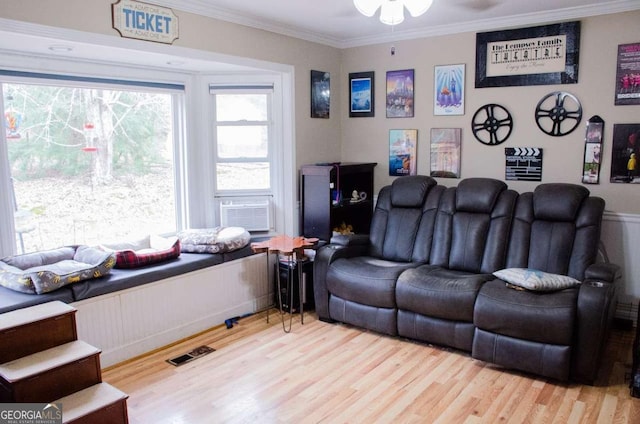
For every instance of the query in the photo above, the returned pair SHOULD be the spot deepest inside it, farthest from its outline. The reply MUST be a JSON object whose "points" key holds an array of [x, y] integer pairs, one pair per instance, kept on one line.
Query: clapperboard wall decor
{"points": [[523, 163]]}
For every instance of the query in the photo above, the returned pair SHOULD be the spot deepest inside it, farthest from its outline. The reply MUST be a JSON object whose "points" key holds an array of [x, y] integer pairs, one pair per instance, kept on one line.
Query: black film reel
{"points": [[558, 113], [492, 124]]}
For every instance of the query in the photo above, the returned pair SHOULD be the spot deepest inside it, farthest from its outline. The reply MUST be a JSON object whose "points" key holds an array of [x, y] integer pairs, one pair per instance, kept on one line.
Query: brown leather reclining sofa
{"points": [[425, 272]]}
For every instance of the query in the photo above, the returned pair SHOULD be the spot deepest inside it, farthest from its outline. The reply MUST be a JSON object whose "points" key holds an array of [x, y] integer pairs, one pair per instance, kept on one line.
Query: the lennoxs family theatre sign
{"points": [[540, 55], [144, 21]]}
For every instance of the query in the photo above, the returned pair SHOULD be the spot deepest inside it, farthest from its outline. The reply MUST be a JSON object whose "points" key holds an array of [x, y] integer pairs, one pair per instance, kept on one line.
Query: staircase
{"points": [[42, 361]]}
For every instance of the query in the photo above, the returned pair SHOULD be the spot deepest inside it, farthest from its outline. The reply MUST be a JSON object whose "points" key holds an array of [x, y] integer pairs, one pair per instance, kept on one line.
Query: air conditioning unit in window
{"points": [[253, 215]]}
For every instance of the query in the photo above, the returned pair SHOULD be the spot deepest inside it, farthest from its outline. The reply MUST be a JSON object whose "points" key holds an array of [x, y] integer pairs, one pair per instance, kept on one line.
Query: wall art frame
{"points": [[593, 150], [402, 152], [448, 89], [541, 55], [445, 152], [400, 93], [625, 153], [628, 75], [320, 94], [362, 95]]}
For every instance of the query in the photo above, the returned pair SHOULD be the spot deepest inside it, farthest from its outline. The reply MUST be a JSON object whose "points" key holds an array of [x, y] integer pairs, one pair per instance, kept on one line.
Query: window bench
{"points": [[133, 311]]}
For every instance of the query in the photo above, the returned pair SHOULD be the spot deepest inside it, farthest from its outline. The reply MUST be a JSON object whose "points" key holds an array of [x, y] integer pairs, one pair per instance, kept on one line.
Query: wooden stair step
{"points": [[34, 313], [40, 362], [40, 327], [50, 374], [100, 403]]}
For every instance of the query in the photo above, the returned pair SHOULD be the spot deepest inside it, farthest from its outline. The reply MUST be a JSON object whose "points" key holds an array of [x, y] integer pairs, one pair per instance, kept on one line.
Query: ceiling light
{"points": [[392, 11]]}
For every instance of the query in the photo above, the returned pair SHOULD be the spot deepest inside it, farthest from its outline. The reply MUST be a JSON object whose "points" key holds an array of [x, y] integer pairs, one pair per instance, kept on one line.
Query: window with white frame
{"points": [[90, 162], [243, 155]]}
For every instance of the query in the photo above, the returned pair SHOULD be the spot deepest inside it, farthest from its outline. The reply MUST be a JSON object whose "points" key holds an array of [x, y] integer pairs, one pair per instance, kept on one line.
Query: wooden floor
{"points": [[335, 373]]}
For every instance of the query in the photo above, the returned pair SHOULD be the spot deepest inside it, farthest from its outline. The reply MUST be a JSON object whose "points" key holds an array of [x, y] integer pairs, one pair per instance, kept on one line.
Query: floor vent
{"points": [[190, 356]]}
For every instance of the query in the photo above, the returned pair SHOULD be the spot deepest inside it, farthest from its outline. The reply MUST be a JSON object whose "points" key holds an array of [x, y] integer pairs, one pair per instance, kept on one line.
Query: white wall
{"points": [[366, 139]]}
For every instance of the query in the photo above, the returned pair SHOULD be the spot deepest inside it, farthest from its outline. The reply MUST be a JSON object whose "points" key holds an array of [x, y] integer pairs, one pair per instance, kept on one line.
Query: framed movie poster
{"points": [[628, 75], [445, 152], [400, 94], [320, 94], [624, 154], [402, 152], [541, 55], [448, 90], [593, 150], [361, 95]]}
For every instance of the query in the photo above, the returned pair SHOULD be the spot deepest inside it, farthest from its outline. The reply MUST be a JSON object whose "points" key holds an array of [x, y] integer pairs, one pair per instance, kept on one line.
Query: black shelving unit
{"points": [[327, 198]]}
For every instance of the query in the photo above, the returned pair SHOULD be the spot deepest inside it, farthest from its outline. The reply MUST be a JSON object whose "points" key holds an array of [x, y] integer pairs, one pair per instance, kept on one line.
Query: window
{"points": [[242, 141], [89, 164], [243, 147]]}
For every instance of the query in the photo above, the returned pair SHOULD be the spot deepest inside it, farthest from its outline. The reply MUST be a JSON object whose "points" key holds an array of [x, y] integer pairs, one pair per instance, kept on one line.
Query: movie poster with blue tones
{"points": [[402, 152], [361, 95], [449, 90]]}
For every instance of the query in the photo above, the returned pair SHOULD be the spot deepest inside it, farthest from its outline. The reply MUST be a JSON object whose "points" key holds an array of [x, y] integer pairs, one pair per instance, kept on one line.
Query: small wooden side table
{"points": [[293, 249]]}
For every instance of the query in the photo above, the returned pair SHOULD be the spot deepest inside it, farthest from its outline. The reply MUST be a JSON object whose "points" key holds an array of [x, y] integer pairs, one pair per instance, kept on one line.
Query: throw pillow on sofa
{"points": [[146, 251], [48, 270], [533, 279]]}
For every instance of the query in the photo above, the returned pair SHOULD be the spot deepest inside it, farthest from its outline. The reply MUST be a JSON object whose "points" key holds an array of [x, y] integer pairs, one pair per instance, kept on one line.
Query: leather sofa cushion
{"points": [[442, 332], [410, 191], [541, 317], [478, 195], [366, 280], [382, 320], [439, 292], [558, 201], [538, 358]]}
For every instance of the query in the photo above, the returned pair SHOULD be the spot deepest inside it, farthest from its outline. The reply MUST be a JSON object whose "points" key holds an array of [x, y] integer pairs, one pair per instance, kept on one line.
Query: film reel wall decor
{"points": [[492, 124], [558, 113]]}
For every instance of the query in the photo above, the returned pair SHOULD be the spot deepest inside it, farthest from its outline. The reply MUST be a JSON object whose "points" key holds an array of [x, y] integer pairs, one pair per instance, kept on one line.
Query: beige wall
{"points": [[366, 139], [316, 139]]}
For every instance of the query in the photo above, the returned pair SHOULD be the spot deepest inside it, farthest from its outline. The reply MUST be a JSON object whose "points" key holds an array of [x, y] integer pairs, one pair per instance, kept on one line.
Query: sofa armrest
{"points": [[596, 308], [351, 239], [324, 257], [605, 272]]}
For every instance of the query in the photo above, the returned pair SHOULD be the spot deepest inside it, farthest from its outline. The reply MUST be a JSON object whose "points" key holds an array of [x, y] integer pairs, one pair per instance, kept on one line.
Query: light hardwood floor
{"points": [[335, 373]]}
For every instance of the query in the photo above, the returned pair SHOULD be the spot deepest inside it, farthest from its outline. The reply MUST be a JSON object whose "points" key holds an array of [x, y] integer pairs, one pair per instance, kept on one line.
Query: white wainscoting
{"points": [[621, 241], [131, 322]]}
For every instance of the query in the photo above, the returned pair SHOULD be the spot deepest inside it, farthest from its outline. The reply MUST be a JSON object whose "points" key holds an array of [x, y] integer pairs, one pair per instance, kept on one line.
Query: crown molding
{"points": [[203, 8]]}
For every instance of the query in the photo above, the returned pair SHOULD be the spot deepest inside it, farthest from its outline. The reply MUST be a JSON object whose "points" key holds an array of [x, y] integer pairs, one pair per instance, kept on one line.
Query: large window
{"points": [[89, 164]]}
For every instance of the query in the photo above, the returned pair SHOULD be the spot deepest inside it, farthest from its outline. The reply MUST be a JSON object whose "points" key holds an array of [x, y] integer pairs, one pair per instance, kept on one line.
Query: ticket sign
{"points": [[144, 21]]}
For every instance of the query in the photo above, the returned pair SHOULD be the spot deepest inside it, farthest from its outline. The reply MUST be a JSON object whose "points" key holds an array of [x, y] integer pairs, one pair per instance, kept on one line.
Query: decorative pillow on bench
{"points": [[149, 250], [48, 270], [533, 279], [214, 240]]}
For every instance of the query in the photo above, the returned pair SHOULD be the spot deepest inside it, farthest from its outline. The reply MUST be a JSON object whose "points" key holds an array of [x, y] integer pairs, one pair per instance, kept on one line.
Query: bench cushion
{"points": [[121, 279]]}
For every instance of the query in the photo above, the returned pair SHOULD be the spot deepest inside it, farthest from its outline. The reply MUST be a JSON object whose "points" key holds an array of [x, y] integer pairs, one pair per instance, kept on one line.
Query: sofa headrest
{"points": [[478, 195], [558, 201], [410, 191]]}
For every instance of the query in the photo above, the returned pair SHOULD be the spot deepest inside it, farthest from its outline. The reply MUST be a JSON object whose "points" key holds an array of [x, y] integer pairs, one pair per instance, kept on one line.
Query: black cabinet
{"points": [[336, 194]]}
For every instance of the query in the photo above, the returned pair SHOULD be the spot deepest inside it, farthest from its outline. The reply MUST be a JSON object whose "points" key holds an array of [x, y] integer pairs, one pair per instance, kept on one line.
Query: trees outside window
{"points": [[89, 164]]}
